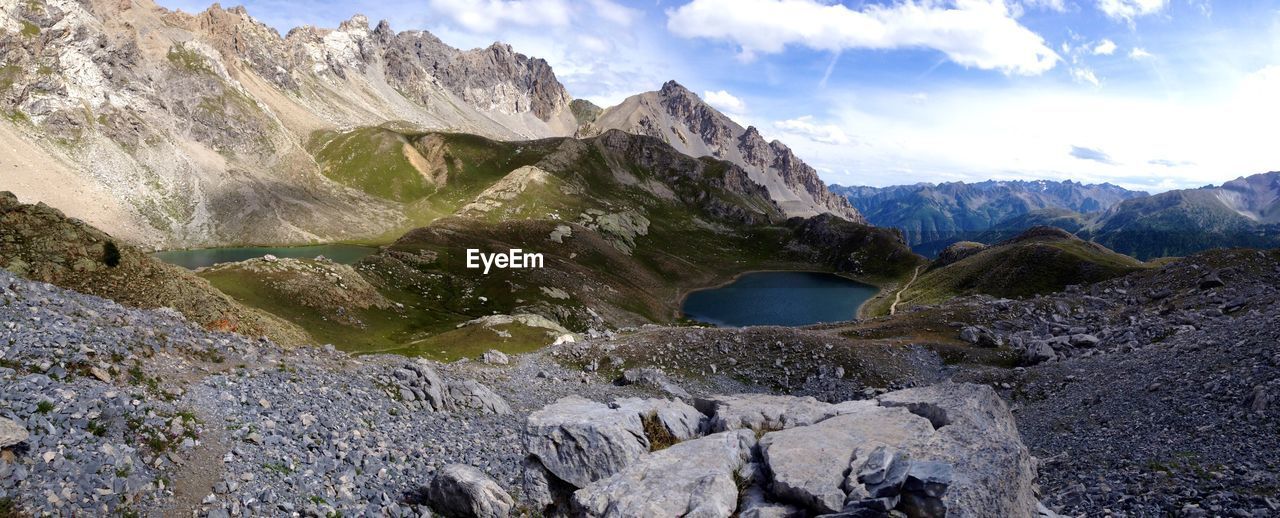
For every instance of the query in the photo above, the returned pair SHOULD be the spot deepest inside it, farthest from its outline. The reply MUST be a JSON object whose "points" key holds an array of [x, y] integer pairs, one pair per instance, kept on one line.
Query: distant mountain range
{"points": [[932, 216], [1241, 213], [170, 129], [1244, 212]]}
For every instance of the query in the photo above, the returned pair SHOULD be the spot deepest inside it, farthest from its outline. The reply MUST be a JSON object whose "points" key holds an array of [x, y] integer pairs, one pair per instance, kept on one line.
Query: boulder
{"points": [[11, 433], [581, 441], [809, 463], [762, 412], [496, 357], [978, 438], [474, 395], [419, 375], [693, 478], [1084, 340], [980, 336], [1038, 352], [461, 490], [651, 377]]}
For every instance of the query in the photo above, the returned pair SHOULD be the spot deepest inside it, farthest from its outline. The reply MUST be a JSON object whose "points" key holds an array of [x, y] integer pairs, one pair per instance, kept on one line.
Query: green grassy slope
{"points": [[1041, 260], [626, 226]]}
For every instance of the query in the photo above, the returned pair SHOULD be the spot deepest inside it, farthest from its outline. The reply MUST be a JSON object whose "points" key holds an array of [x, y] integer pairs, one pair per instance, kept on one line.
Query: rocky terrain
{"points": [[117, 410], [1146, 395], [678, 117], [39, 242]]}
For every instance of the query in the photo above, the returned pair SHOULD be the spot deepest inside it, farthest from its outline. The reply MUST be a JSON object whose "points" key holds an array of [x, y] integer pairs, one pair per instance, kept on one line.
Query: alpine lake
{"points": [[779, 299]]}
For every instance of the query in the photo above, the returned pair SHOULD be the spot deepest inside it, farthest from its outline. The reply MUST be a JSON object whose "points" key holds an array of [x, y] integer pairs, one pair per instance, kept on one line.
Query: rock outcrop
{"points": [[944, 450], [461, 490]]}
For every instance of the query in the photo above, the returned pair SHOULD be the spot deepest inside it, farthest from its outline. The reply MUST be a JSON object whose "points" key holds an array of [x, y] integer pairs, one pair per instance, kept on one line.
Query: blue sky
{"points": [[1149, 94]]}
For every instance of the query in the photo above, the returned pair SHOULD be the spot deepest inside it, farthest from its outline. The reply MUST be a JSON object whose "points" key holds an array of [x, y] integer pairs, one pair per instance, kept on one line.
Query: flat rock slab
{"points": [[809, 463], [581, 441], [694, 478]]}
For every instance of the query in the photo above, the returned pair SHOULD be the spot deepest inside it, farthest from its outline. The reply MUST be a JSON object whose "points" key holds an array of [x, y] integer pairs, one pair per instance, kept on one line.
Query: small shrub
{"points": [[659, 437], [44, 407], [111, 254]]}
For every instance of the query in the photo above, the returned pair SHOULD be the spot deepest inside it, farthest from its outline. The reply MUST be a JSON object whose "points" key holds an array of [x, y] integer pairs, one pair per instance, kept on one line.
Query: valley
{"points": [[359, 272]]}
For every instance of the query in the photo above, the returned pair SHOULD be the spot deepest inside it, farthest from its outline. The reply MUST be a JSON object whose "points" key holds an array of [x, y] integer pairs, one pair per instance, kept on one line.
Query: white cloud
{"points": [[1139, 53], [1084, 75], [805, 127], [1104, 48], [1007, 132], [972, 33], [489, 15], [600, 49], [1127, 10], [1050, 5], [614, 12], [724, 101]]}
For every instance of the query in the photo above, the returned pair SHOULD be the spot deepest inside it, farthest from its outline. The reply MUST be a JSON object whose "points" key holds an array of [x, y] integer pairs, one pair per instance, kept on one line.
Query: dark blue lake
{"points": [[199, 258], [779, 298]]}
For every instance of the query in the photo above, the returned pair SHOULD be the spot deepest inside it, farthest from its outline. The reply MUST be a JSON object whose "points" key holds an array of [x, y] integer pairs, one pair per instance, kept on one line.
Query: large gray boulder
{"points": [[977, 435], [654, 378], [763, 412], [809, 463], [461, 490], [695, 478], [11, 433], [581, 441], [474, 395]]}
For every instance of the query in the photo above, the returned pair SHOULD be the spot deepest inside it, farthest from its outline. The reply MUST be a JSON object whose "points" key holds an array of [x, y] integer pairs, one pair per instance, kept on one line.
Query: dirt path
{"points": [[897, 297]]}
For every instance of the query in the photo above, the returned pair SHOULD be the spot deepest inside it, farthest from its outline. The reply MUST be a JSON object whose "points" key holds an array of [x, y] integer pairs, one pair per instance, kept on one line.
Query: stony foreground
{"points": [[111, 410]]}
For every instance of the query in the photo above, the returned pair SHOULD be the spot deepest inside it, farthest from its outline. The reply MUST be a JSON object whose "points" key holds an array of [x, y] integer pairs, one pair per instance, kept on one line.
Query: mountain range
{"points": [[180, 130], [1244, 212], [932, 216]]}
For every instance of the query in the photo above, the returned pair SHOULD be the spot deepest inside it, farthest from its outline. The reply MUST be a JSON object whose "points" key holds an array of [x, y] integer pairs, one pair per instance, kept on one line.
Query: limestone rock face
{"points": [[945, 450], [581, 441], [693, 478], [996, 482], [809, 462], [763, 412], [461, 490]]}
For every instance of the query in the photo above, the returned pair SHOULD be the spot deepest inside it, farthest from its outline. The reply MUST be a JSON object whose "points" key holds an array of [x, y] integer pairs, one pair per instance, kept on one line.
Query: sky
{"points": [[1146, 94]]}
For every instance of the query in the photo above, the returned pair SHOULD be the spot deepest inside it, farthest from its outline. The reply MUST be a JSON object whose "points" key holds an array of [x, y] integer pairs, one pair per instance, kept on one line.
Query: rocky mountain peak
{"points": [[672, 89], [358, 22]]}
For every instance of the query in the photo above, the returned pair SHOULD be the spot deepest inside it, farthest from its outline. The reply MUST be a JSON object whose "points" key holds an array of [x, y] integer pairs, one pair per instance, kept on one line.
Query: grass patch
{"points": [[189, 60], [659, 437]]}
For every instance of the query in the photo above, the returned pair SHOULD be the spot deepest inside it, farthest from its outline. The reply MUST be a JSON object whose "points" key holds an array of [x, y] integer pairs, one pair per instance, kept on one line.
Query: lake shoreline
{"points": [[684, 295]]}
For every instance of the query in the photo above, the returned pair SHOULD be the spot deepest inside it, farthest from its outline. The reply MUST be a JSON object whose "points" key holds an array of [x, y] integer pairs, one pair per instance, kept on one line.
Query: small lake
{"points": [[780, 299], [199, 258]]}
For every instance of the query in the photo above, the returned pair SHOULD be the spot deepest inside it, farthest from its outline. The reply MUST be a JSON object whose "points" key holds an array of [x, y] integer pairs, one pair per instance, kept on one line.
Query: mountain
{"points": [[1244, 212], [1060, 218], [932, 216], [1039, 260], [680, 118], [626, 225], [175, 130]]}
